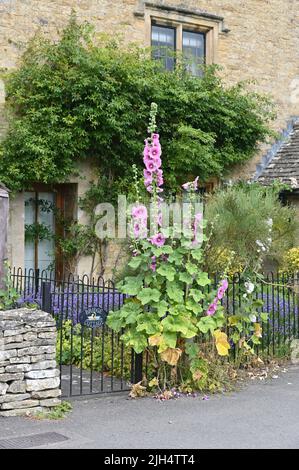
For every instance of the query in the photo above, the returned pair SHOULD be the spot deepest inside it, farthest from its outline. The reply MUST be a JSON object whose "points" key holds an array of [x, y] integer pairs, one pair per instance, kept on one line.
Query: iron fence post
{"points": [[36, 281], [138, 368], [46, 296]]}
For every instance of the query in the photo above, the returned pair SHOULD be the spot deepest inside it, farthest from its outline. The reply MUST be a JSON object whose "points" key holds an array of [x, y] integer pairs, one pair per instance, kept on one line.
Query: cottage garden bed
{"points": [[197, 331]]}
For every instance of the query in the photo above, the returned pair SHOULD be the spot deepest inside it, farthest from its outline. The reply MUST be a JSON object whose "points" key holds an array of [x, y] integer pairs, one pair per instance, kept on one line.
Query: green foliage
{"points": [[76, 99], [71, 338], [57, 412], [8, 295], [246, 225], [290, 262], [39, 231]]}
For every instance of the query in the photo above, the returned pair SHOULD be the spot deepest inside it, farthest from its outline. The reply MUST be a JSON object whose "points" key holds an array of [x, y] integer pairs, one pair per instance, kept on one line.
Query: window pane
{"points": [[29, 198], [46, 246], [194, 51], [163, 43]]}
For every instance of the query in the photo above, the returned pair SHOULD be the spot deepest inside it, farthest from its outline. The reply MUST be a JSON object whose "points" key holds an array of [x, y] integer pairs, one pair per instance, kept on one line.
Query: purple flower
{"points": [[158, 239]]}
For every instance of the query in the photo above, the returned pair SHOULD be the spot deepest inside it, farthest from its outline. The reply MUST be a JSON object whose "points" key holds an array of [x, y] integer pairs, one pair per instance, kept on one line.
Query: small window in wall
{"points": [[39, 230], [163, 44], [194, 51]]}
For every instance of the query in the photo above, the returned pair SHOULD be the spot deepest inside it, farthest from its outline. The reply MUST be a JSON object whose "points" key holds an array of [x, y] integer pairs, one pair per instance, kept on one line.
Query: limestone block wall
{"points": [[29, 378]]}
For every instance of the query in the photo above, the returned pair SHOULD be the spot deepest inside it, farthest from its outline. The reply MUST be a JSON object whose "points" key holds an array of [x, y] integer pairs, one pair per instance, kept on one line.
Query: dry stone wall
{"points": [[29, 378]]}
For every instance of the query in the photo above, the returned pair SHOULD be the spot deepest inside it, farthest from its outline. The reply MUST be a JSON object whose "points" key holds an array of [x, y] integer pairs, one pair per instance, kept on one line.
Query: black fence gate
{"points": [[91, 357]]}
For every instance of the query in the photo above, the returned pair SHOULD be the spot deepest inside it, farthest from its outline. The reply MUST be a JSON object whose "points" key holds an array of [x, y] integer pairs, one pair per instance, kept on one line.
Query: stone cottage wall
{"points": [[29, 378]]}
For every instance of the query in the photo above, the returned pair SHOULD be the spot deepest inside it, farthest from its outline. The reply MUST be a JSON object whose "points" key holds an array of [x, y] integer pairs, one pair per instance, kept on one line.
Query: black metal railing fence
{"points": [[93, 359]]}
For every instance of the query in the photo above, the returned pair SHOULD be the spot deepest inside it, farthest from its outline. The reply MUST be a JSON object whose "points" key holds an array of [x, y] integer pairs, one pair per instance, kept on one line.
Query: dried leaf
{"points": [[137, 390], [258, 330], [222, 344], [155, 340], [171, 356], [197, 375]]}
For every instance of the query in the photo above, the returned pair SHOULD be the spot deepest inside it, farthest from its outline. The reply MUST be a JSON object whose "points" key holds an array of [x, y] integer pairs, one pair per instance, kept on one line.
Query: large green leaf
{"points": [[147, 295], [137, 340], [135, 262], [162, 308], [196, 294], [132, 285], [206, 324], [203, 279], [186, 278], [174, 292], [191, 268], [166, 270], [149, 323]]}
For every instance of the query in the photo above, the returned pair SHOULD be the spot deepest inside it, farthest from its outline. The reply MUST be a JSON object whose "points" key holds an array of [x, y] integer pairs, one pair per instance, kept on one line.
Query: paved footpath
{"points": [[262, 415]]}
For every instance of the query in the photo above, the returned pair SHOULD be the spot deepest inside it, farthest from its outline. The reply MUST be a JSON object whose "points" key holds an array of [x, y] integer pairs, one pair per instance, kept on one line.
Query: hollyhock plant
{"points": [[170, 296]]}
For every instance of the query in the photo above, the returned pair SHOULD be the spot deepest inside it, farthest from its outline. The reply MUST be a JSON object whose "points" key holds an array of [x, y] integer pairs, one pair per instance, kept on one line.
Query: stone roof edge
{"points": [[276, 147]]}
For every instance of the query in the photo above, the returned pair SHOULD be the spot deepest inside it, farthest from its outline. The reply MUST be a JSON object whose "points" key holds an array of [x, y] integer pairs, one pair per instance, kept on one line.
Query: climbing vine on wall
{"points": [[82, 97]]}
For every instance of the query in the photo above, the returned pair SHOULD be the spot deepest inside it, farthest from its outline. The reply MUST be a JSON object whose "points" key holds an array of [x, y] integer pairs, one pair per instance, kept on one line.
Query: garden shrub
{"points": [[290, 262], [246, 224]]}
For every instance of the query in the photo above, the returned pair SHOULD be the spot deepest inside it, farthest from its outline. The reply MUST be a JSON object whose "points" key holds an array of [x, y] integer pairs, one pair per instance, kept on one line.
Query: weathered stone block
{"points": [[43, 365], [8, 333], [54, 393], [50, 402], [3, 388], [22, 412], [42, 374], [11, 377], [13, 339], [7, 354], [16, 397], [43, 357], [18, 368], [20, 360], [48, 335], [17, 387], [42, 384], [19, 404], [30, 337], [36, 350]]}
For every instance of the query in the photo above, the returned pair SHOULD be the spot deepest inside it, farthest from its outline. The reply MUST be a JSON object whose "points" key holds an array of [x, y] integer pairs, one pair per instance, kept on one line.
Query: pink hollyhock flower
{"points": [[212, 309], [148, 182], [155, 138], [150, 188], [158, 239], [153, 267], [155, 151], [146, 151], [158, 162], [147, 174], [195, 183], [152, 165], [136, 229], [191, 185], [222, 289], [186, 186], [139, 212]]}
